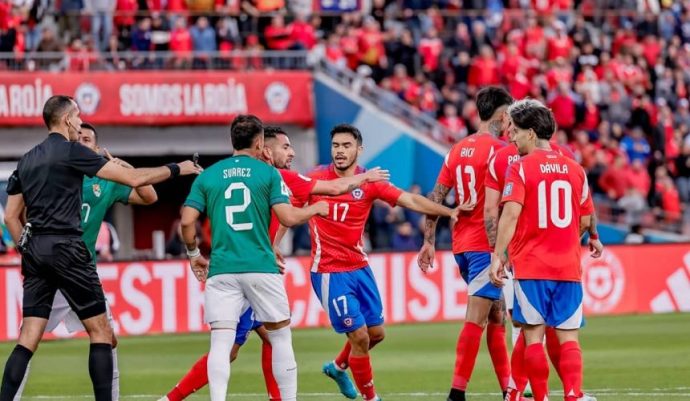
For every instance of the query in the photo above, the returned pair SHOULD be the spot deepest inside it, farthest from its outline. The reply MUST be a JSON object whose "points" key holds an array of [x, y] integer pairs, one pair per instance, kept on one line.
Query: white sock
{"points": [[515, 333], [284, 364], [116, 377], [218, 365], [18, 396]]}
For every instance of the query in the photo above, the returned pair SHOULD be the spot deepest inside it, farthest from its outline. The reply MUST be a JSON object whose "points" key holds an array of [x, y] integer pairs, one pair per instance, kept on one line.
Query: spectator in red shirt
{"points": [[638, 178], [455, 125], [349, 44], [563, 107], [584, 149], [614, 180], [278, 36], [77, 56], [670, 200], [302, 32], [484, 69], [370, 47], [534, 40], [335, 53], [560, 45], [430, 48], [181, 44], [590, 118]]}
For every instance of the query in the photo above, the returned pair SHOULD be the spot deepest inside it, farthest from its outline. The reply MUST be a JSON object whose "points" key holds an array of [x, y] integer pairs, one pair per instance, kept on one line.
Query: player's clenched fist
{"points": [[320, 208], [377, 174], [188, 167]]}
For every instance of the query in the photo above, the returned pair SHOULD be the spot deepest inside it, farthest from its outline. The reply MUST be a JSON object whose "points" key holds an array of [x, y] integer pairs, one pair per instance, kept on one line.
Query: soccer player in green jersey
{"points": [[98, 195], [238, 195]]}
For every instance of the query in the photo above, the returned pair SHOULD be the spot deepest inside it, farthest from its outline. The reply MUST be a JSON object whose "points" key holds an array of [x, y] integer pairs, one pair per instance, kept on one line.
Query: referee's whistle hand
{"points": [[188, 167]]}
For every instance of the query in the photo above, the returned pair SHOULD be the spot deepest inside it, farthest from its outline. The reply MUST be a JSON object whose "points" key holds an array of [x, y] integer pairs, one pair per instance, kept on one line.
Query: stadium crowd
{"points": [[615, 73]]}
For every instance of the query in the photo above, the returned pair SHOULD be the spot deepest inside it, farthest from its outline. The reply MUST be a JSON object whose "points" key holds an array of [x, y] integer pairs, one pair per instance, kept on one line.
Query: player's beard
{"points": [[345, 168]]}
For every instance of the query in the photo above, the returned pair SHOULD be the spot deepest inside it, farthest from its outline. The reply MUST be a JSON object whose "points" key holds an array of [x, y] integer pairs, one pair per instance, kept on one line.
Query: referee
{"points": [[48, 182]]}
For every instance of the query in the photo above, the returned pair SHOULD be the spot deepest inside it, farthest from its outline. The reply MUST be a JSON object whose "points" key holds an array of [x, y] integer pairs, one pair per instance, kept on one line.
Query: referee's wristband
{"points": [[193, 253], [594, 236], [174, 169]]}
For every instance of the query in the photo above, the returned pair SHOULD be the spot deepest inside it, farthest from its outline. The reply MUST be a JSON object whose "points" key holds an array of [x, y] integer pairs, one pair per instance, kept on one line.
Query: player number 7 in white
{"points": [[231, 210], [557, 188], [345, 207], [87, 213], [343, 300]]}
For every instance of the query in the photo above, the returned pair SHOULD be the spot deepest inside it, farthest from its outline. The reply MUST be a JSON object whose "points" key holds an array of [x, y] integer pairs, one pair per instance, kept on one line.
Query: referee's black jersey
{"points": [[50, 176]]}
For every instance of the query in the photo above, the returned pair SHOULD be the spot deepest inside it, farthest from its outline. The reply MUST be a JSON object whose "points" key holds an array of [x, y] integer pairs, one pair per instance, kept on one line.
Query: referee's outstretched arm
{"points": [[146, 176]]}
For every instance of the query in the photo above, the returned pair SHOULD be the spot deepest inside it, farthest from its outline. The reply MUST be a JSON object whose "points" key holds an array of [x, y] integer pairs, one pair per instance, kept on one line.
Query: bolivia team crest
{"points": [[358, 193], [96, 190]]}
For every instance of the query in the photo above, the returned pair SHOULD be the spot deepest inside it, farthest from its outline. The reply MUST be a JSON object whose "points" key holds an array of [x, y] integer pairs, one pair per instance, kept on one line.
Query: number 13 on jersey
{"points": [[471, 184]]}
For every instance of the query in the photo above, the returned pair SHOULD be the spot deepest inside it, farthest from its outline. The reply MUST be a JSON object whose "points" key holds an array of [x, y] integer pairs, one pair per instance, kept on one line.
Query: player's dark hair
{"points": [[272, 131], [347, 129], [92, 128], [56, 107], [491, 99], [244, 130], [529, 113]]}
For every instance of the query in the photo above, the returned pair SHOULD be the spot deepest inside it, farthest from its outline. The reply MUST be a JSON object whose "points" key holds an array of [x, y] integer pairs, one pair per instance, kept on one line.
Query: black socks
{"points": [[101, 371], [15, 369]]}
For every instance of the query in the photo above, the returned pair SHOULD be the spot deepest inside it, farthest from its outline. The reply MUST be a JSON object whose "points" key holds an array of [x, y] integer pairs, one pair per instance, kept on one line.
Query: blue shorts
{"points": [[474, 268], [245, 326], [351, 299], [556, 304]]}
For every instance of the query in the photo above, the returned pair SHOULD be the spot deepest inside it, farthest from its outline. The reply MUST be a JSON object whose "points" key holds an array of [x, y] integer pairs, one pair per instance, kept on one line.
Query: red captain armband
{"points": [[594, 236]]}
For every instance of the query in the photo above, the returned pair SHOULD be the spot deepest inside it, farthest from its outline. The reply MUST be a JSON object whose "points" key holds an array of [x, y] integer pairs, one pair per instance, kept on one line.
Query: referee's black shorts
{"points": [[60, 262]]}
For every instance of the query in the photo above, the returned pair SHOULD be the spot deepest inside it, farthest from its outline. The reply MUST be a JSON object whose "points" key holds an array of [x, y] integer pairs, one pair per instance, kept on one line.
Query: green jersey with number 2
{"points": [[98, 195], [237, 195]]}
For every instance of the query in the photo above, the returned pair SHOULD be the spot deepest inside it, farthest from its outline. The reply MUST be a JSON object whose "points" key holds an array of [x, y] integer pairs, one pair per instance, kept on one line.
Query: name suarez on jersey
{"points": [[553, 168], [237, 172]]}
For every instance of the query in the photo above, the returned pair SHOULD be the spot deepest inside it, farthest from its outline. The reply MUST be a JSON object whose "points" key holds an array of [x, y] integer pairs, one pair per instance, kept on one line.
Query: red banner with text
{"points": [[162, 297], [161, 97]]}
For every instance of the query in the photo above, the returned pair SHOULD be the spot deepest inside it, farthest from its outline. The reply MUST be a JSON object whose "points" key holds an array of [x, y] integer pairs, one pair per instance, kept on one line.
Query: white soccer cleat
{"points": [[165, 398]]}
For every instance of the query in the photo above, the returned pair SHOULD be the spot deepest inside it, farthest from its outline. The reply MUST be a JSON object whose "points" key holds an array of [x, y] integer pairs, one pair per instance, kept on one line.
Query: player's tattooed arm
{"points": [[491, 204], [437, 195], [348, 184]]}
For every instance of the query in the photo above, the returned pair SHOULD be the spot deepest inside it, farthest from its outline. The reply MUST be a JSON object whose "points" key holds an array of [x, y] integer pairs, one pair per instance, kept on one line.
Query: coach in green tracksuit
{"points": [[98, 195]]}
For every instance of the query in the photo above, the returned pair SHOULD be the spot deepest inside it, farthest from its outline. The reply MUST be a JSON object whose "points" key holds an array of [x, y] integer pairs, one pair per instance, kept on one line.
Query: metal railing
{"points": [[239, 60], [386, 101]]}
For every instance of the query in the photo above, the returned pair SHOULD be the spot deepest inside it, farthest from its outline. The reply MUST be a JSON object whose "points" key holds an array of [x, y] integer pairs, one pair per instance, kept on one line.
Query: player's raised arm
{"points": [[348, 184], [144, 195], [290, 216], [146, 176]]}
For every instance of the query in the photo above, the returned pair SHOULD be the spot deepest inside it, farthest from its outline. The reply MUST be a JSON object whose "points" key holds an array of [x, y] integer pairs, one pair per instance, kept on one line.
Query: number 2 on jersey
{"points": [[230, 211], [471, 184], [550, 209]]}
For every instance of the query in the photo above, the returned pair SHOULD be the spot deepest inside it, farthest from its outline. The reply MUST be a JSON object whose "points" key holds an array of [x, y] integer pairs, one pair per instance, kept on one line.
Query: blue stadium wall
{"points": [[387, 143]]}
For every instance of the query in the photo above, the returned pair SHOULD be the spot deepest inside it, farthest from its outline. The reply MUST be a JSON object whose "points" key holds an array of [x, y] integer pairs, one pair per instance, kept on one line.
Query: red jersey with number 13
{"points": [[336, 240], [553, 192], [464, 170]]}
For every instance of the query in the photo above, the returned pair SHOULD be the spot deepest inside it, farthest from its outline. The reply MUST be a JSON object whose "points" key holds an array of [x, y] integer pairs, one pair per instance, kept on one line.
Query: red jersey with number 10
{"points": [[336, 240], [464, 170], [553, 192], [300, 188]]}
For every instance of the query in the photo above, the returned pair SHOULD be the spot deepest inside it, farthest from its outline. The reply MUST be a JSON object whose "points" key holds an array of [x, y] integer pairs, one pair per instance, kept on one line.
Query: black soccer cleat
{"points": [[456, 395]]}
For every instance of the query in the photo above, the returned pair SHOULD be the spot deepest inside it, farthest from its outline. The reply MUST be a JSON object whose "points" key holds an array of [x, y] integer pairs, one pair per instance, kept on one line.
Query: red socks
{"points": [[553, 347], [341, 361], [571, 370], [196, 378], [267, 367], [537, 368], [360, 365], [496, 340], [466, 354], [517, 364]]}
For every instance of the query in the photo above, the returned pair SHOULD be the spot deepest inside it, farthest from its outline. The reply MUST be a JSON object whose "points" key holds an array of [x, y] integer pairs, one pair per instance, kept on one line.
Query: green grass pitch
{"points": [[639, 358]]}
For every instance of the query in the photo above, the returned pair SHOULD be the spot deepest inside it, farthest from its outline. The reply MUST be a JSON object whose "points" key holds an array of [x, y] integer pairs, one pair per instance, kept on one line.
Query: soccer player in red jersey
{"points": [[341, 276], [464, 170], [545, 211], [498, 166], [279, 153]]}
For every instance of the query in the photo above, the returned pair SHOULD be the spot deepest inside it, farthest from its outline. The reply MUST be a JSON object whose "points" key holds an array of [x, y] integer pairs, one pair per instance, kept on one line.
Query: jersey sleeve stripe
{"points": [[522, 174], [317, 252], [195, 205], [585, 190], [492, 168]]}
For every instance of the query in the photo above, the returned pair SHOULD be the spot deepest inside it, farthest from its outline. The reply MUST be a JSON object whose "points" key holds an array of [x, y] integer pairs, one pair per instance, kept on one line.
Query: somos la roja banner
{"points": [[162, 297], [161, 97]]}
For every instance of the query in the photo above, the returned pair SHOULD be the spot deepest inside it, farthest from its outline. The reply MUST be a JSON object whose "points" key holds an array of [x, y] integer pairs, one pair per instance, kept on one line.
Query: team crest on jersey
{"points": [[358, 193], [508, 190], [348, 322], [96, 190]]}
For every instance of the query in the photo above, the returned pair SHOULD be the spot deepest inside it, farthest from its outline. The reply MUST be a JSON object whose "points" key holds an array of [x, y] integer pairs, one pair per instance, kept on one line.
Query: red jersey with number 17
{"points": [[336, 240], [553, 192], [464, 170], [300, 188]]}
